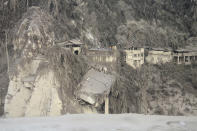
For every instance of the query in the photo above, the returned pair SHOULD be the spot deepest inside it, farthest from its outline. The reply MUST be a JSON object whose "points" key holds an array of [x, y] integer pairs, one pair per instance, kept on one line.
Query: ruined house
{"points": [[159, 56], [102, 56], [184, 56], [179, 56], [75, 45], [94, 89], [134, 56]]}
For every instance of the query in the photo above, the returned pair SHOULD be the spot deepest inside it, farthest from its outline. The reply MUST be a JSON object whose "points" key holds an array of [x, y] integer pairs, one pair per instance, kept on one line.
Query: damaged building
{"points": [[75, 45], [94, 90], [185, 56], [165, 55], [104, 57], [134, 56], [159, 56]]}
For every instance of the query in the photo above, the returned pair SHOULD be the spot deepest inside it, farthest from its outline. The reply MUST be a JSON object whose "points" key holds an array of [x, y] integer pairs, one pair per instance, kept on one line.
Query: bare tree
{"points": [[7, 54], [27, 4], [13, 4]]}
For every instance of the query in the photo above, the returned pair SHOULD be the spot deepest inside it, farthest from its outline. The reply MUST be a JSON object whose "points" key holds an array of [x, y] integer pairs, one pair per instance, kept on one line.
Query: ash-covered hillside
{"points": [[101, 23], [144, 22]]}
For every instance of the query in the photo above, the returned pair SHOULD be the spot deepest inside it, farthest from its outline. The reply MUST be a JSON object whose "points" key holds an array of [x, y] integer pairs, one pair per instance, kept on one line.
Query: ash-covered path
{"points": [[124, 122]]}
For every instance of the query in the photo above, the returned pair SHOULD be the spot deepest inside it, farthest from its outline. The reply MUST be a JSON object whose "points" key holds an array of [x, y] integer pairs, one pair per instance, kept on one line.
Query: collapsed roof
{"points": [[95, 87]]}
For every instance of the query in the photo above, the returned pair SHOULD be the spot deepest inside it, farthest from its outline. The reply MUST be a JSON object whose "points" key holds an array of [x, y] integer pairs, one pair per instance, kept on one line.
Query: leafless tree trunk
{"points": [[6, 33], [14, 5], [57, 10], [27, 4]]}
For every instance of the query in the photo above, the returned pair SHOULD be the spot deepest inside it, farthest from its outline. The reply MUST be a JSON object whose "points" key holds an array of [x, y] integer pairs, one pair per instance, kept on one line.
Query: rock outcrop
{"points": [[31, 93], [42, 75]]}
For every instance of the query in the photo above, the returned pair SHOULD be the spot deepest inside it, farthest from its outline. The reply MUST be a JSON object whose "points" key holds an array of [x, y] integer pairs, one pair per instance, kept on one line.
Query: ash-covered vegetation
{"points": [[107, 19], [100, 23], [166, 89]]}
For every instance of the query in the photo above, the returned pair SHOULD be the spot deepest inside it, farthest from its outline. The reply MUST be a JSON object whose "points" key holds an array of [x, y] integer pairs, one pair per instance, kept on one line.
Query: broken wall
{"points": [[159, 57], [105, 58]]}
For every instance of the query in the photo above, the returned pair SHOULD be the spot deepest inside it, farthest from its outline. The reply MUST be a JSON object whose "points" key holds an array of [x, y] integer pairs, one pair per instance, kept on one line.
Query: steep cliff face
{"points": [[42, 76], [31, 93], [27, 86]]}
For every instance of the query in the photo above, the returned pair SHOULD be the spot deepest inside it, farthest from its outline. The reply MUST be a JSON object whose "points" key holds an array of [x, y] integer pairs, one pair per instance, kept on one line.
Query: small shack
{"points": [[74, 45], [95, 89], [134, 56]]}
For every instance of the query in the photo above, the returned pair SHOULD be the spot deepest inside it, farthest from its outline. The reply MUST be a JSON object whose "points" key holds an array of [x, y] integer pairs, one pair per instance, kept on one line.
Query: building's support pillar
{"points": [[106, 105], [178, 60], [184, 59], [190, 59]]}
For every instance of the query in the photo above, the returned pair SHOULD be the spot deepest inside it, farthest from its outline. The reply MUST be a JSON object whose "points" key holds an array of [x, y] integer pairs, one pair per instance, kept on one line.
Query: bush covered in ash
{"points": [[104, 17], [165, 90]]}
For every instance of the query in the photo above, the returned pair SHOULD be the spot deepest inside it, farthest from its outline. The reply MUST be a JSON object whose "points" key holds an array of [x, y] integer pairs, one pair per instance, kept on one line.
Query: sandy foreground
{"points": [[123, 122]]}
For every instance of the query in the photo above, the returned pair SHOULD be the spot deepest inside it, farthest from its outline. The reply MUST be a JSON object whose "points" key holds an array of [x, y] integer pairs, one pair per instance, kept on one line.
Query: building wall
{"points": [[134, 58], [159, 57], [105, 58], [185, 57]]}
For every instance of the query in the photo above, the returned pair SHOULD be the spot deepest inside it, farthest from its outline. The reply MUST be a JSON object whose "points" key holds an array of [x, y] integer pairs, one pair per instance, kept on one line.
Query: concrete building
{"points": [[75, 45], [134, 56], [159, 56], [179, 56], [102, 56], [184, 56]]}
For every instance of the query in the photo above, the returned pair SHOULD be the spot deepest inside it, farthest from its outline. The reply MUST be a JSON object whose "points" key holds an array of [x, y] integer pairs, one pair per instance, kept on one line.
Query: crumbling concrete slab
{"points": [[95, 87]]}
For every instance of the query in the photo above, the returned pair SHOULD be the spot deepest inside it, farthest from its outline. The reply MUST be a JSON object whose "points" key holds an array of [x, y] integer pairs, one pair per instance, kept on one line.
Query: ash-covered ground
{"points": [[165, 89]]}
